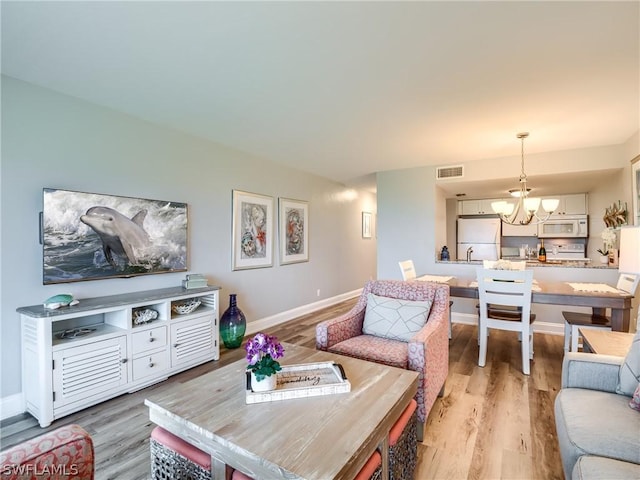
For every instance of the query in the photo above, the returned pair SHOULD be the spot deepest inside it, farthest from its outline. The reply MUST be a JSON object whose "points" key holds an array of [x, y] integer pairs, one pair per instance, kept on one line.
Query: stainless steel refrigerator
{"points": [[481, 235]]}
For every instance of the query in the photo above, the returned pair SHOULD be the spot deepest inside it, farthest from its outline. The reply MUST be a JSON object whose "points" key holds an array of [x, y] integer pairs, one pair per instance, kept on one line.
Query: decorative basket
{"points": [[186, 307]]}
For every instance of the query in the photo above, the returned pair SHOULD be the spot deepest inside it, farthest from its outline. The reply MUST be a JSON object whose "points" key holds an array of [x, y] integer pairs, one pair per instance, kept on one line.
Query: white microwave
{"points": [[570, 226]]}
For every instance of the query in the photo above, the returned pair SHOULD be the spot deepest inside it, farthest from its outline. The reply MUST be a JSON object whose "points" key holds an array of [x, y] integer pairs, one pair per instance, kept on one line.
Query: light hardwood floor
{"points": [[492, 422]]}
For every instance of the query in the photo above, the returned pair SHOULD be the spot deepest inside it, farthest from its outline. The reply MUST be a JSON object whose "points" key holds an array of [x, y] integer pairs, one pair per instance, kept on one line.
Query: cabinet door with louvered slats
{"points": [[192, 340], [87, 370]]}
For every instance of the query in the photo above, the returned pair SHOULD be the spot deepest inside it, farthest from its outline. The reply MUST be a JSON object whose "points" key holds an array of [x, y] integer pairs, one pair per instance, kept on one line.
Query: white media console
{"points": [[104, 353]]}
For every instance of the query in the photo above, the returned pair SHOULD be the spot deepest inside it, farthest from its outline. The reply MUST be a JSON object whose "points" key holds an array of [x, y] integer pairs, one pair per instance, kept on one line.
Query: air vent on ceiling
{"points": [[456, 171]]}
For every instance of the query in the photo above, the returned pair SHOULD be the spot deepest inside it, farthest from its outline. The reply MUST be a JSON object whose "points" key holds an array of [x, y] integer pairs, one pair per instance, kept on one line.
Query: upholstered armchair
{"points": [[66, 452], [597, 414], [426, 351]]}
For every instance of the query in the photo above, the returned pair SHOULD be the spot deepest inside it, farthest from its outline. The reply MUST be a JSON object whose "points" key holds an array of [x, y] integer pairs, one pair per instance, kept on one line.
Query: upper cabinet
{"points": [[574, 204], [476, 207], [519, 230]]}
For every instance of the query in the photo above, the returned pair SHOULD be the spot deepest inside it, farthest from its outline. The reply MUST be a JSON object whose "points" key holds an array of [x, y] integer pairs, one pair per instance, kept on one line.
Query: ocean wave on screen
{"points": [[73, 248], [63, 209]]}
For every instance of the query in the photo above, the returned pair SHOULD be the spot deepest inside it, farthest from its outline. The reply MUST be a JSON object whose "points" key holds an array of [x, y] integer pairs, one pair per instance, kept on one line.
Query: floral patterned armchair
{"points": [[66, 452], [426, 352]]}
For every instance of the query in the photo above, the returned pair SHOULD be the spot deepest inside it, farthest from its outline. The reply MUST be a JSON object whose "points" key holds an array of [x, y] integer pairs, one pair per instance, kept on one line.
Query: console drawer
{"points": [[150, 364], [147, 340]]}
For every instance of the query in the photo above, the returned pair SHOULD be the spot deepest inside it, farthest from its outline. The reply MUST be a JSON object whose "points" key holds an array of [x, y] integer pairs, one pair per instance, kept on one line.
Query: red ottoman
{"points": [[174, 459], [403, 445], [372, 470]]}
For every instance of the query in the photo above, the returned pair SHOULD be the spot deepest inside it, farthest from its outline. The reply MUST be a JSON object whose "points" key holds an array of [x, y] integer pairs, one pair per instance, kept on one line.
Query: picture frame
{"points": [[252, 230], [94, 236], [635, 190], [293, 230], [367, 226]]}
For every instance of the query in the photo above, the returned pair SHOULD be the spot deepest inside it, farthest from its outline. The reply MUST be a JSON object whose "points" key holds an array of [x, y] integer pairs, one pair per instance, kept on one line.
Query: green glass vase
{"points": [[232, 324]]}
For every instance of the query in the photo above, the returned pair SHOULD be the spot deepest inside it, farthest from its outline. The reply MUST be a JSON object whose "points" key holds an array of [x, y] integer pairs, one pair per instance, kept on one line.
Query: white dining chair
{"points": [[502, 265], [511, 288], [409, 273], [574, 321], [408, 270]]}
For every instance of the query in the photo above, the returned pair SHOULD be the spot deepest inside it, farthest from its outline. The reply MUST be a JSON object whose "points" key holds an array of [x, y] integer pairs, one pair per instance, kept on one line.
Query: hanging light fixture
{"points": [[509, 212]]}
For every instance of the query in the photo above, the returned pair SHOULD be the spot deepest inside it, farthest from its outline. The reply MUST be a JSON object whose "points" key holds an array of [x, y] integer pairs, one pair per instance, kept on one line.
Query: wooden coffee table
{"points": [[606, 342], [330, 436]]}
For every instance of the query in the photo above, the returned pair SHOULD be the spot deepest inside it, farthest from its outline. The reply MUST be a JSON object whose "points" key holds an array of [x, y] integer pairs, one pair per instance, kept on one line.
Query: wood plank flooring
{"points": [[492, 422]]}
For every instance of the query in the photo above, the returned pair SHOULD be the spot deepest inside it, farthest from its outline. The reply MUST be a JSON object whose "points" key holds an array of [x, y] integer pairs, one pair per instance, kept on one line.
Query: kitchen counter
{"points": [[535, 263], [550, 316]]}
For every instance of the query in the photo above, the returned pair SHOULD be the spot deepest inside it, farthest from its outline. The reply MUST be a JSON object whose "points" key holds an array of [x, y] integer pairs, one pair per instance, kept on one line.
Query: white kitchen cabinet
{"points": [[574, 204], [519, 230], [111, 355], [476, 207]]}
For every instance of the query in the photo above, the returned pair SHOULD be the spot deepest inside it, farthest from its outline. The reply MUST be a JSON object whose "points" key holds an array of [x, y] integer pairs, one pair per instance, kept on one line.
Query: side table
{"points": [[606, 342]]}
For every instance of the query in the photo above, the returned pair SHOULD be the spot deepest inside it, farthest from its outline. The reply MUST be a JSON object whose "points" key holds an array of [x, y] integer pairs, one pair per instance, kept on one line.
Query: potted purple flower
{"points": [[262, 353]]}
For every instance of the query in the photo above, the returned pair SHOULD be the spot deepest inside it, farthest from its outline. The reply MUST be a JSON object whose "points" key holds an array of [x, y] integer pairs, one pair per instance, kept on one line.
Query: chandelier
{"points": [[529, 206]]}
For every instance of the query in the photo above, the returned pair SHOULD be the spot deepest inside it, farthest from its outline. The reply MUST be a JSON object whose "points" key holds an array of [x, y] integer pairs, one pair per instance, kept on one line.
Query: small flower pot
{"points": [[265, 385], [604, 259]]}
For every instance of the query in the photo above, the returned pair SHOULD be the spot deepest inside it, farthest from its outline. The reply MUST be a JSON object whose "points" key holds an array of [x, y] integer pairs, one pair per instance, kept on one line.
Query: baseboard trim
{"points": [[277, 319], [11, 406], [14, 404], [538, 327]]}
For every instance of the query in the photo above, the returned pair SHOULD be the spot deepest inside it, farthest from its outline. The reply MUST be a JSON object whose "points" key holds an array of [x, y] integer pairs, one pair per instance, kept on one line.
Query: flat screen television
{"points": [[90, 236]]}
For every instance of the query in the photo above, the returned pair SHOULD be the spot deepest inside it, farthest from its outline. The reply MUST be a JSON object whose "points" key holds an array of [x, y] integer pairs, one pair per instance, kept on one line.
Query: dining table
{"points": [[556, 293]]}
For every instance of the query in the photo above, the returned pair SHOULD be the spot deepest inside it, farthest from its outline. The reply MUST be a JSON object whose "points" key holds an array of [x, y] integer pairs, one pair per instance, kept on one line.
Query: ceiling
{"points": [[347, 89]]}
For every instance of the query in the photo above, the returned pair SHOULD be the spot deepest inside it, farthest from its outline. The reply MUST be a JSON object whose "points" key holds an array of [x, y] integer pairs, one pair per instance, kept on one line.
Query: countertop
{"points": [[535, 263]]}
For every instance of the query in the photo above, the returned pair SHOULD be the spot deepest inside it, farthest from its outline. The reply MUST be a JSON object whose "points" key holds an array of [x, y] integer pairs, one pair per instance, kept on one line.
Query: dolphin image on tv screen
{"points": [[119, 235]]}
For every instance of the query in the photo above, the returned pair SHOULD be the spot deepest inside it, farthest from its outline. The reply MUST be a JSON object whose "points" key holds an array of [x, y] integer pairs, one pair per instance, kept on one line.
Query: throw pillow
{"points": [[635, 400], [393, 318], [629, 375]]}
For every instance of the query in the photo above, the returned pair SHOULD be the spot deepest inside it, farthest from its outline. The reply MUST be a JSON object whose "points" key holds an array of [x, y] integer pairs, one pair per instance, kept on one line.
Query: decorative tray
{"points": [[303, 380]]}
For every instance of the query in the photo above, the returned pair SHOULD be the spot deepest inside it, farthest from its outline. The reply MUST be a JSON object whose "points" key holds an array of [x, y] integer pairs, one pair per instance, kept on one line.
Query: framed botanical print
{"points": [[252, 237], [635, 189], [293, 231], [367, 218]]}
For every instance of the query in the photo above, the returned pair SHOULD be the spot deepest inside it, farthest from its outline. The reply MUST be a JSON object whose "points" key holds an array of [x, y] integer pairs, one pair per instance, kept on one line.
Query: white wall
{"points": [[410, 224], [610, 190], [407, 220], [440, 215], [410, 207], [51, 140], [548, 163]]}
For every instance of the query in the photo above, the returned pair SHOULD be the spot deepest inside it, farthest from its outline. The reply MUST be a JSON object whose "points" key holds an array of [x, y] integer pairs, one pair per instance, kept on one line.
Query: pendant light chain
{"points": [[523, 176], [526, 205]]}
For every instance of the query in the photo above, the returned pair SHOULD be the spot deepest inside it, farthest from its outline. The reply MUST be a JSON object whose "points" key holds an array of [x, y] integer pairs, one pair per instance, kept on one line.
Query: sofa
{"points": [[425, 349], [597, 415], [64, 453]]}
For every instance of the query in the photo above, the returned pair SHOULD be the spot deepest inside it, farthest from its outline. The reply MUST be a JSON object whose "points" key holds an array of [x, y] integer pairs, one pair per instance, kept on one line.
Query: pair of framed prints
{"points": [[253, 235]]}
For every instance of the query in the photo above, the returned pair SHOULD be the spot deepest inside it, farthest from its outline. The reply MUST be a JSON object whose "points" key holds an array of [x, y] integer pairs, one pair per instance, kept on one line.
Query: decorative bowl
{"points": [[186, 307]]}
